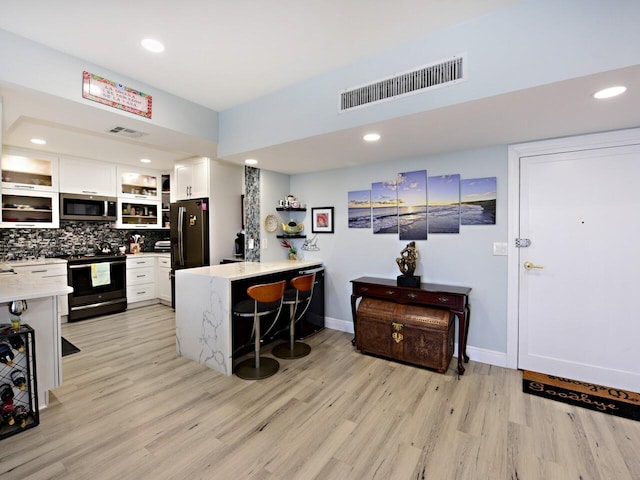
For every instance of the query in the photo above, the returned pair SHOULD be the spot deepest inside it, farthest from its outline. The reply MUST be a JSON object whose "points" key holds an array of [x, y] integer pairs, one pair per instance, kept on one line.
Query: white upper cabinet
{"points": [[29, 209], [91, 177], [191, 179], [139, 184], [24, 169]]}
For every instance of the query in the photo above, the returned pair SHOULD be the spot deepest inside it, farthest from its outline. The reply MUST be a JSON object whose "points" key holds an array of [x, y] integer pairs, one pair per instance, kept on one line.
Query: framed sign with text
{"points": [[115, 95]]}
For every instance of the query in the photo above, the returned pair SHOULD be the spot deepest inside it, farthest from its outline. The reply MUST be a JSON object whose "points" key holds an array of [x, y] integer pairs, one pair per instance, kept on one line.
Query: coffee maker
{"points": [[239, 248]]}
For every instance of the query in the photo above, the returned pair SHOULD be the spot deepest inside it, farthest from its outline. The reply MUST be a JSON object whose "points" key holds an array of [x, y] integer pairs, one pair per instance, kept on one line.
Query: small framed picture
{"points": [[322, 220]]}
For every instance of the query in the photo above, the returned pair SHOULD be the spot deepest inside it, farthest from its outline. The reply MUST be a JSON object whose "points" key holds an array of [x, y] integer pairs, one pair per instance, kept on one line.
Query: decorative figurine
{"points": [[407, 264]]}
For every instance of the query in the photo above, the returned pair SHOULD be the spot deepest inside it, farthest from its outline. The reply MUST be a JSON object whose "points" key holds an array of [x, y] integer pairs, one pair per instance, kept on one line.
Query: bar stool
{"points": [[265, 299], [296, 297]]}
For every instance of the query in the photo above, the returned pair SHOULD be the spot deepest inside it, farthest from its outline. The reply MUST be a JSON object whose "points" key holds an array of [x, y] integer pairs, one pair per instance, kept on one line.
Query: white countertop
{"points": [[34, 261], [22, 287], [239, 270]]}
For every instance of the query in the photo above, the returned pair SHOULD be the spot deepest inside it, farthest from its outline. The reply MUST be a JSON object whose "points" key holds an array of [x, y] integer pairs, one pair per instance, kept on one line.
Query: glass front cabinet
{"points": [[29, 170], [135, 214], [138, 184], [29, 209]]}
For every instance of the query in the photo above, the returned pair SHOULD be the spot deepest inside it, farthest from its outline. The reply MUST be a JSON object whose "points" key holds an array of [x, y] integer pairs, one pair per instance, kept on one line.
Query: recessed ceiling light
{"points": [[145, 160], [251, 161], [609, 92], [152, 45], [371, 137], [38, 141]]}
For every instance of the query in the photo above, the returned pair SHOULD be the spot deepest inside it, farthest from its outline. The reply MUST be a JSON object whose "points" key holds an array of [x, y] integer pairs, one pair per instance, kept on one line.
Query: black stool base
{"points": [[247, 368], [283, 350]]}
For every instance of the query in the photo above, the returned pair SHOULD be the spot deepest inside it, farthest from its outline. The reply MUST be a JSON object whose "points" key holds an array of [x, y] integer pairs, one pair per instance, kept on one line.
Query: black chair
{"points": [[298, 298], [265, 299]]}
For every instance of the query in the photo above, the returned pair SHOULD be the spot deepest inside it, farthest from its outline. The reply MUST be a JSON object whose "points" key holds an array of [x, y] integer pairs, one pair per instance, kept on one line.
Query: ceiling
{"points": [[222, 53]]}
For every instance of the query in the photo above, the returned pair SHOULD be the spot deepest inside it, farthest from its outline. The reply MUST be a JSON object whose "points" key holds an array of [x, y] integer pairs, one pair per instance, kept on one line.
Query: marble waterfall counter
{"points": [[203, 307], [42, 316]]}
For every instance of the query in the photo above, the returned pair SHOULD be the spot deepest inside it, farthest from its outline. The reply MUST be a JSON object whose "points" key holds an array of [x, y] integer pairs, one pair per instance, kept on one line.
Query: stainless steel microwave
{"points": [[87, 207]]}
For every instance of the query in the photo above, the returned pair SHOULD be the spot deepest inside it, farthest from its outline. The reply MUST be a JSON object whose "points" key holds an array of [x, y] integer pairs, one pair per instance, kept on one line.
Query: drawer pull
{"points": [[443, 299], [390, 292], [140, 276], [412, 295], [364, 289]]}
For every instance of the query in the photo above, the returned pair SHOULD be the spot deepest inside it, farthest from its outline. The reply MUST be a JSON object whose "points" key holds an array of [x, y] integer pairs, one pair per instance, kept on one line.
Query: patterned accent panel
{"points": [[252, 213]]}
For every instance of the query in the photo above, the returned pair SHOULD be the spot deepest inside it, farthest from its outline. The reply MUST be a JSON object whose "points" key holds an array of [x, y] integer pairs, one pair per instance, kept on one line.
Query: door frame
{"points": [[543, 147]]}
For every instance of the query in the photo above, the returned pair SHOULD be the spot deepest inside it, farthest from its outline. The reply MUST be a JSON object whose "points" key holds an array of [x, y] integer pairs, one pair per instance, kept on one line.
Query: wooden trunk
{"points": [[408, 333]]}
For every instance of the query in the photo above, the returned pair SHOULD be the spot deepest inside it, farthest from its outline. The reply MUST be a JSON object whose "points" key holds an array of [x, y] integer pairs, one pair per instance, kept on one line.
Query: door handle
{"points": [[529, 265]]}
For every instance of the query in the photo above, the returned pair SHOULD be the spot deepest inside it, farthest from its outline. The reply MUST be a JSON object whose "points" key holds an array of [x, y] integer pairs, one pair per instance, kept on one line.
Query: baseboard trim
{"points": [[482, 355]]}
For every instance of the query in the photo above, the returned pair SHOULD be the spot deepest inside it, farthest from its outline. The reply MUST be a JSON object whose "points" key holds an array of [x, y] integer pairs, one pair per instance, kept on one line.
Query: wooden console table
{"points": [[453, 298]]}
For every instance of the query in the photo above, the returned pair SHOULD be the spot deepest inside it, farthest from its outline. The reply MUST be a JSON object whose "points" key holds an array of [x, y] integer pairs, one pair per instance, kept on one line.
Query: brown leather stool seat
{"points": [[298, 298], [265, 299]]}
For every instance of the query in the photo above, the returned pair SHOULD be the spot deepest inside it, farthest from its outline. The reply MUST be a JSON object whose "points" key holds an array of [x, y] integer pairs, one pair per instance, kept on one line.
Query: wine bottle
{"points": [[20, 415], [18, 379], [6, 412], [6, 392], [17, 343], [6, 354]]}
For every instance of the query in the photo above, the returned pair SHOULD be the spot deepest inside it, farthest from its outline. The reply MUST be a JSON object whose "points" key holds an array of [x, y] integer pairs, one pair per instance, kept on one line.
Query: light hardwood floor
{"points": [[130, 408]]}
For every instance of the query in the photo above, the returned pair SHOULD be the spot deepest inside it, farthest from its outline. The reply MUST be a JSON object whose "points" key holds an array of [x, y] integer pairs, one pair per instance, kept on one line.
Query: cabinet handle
{"points": [[390, 292], [443, 299], [140, 276], [141, 293], [88, 191], [364, 289], [140, 196], [412, 295], [38, 271], [24, 187]]}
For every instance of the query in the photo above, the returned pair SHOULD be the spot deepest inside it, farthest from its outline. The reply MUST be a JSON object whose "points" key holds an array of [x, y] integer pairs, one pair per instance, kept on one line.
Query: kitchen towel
{"points": [[100, 274]]}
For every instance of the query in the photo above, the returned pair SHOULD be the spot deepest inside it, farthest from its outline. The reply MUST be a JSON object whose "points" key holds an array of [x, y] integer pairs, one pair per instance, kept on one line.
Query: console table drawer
{"points": [[377, 291], [433, 298]]}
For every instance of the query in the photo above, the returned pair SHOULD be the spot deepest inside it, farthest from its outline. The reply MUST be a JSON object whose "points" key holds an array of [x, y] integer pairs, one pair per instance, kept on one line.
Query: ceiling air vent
{"points": [[438, 74], [126, 132]]}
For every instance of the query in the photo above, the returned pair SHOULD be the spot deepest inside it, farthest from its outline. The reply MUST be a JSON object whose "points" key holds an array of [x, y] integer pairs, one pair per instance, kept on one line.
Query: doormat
{"points": [[609, 400], [68, 348]]}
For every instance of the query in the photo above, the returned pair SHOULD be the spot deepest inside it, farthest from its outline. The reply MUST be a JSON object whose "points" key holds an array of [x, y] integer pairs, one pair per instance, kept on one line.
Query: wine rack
{"points": [[25, 362]]}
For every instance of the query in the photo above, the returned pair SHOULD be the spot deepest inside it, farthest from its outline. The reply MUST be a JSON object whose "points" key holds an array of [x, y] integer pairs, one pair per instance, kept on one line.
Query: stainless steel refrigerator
{"points": [[189, 236]]}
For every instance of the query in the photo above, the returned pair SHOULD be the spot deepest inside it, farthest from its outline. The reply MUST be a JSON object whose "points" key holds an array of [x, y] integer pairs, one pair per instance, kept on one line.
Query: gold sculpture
{"points": [[407, 259]]}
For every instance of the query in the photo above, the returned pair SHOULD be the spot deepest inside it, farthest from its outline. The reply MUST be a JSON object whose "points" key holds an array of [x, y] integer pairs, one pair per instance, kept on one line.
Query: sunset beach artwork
{"points": [[444, 204], [412, 205], [359, 209], [478, 201], [384, 203]]}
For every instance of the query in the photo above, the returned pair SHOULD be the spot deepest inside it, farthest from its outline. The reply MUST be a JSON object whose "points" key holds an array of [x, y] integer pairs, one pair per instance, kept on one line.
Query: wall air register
{"points": [[439, 74]]}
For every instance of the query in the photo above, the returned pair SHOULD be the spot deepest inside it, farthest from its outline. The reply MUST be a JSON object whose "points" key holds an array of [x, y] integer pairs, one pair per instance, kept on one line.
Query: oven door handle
{"points": [[181, 212], [84, 265]]}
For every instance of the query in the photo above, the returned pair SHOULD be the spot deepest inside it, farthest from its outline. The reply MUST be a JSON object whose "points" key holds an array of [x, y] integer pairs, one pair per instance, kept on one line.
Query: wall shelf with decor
{"points": [[291, 236], [290, 209]]}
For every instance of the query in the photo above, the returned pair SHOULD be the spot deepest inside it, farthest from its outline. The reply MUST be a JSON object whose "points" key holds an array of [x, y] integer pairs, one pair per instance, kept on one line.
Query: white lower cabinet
{"points": [[141, 279], [163, 280], [48, 272]]}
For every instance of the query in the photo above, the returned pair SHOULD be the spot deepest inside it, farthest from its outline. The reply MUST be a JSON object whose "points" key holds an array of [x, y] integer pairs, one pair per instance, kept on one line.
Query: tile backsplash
{"points": [[72, 238]]}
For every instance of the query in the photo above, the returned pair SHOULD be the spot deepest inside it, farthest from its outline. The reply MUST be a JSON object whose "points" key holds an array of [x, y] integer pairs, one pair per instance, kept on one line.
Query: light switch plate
{"points": [[251, 244], [500, 248], [264, 243]]}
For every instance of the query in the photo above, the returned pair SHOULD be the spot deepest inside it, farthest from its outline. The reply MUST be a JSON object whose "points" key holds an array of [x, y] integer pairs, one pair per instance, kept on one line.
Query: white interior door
{"points": [[578, 315]]}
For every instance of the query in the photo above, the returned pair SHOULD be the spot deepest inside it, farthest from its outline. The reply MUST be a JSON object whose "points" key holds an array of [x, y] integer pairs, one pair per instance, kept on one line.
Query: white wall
{"points": [[43, 69], [464, 259], [225, 217], [535, 42], [273, 187]]}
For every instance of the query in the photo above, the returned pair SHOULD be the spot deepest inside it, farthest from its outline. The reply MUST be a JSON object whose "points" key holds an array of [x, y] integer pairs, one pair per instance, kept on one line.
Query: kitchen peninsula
{"points": [[204, 297], [42, 315]]}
